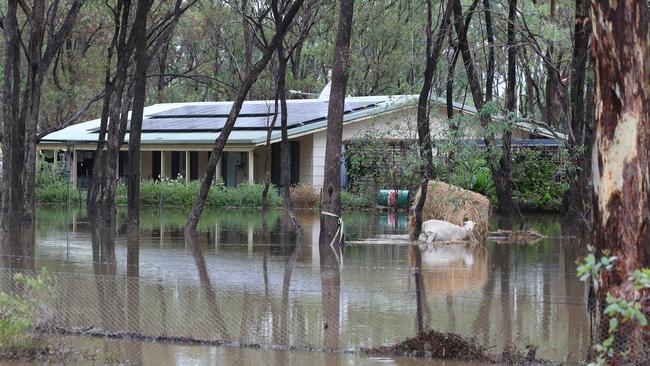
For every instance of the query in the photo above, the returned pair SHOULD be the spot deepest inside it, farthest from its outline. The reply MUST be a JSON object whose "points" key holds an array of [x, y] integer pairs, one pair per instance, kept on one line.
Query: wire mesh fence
{"points": [[307, 313], [236, 288]]}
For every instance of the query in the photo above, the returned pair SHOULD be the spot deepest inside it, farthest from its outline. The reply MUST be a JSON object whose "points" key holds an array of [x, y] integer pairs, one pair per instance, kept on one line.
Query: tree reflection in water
{"points": [[109, 298], [191, 242], [422, 313], [331, 297]]}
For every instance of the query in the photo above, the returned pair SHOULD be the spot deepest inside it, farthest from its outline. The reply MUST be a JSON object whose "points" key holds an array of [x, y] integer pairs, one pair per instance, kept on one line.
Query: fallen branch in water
{"points": [[521, 236]]}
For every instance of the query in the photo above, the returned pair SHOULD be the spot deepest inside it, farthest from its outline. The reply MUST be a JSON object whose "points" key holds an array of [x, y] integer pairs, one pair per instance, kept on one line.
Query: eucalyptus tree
{"points": [[33, 34], [331, 228], [284, 51], [433, 50], [621, 169], [220, 142]]}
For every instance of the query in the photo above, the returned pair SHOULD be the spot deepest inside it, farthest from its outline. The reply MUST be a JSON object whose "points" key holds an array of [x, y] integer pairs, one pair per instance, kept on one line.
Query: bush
{"points": [[352, 200], [304, 196], [52, 185], [52, 188], [19, 312], [538, 180], [183, 194], [472, 172]]}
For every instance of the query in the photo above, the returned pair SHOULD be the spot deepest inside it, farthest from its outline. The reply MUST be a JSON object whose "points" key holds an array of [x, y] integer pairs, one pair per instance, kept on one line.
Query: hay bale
{"points": [[454, 204]]}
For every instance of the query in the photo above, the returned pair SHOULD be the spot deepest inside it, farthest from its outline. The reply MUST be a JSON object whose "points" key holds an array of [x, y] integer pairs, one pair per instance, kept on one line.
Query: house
{"points": [[177, 138]]}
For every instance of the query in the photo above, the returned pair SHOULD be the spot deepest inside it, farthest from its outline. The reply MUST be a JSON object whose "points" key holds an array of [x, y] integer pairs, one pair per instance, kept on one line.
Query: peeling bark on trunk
{"points": [[621, 155]]}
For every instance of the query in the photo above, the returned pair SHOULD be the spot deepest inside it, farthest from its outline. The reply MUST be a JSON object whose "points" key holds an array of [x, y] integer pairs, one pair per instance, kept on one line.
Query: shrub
{"points": [[354, 200], [377, 161], [472, 172], [53, 188], [20, 310], [304, 196], [537, 180]]}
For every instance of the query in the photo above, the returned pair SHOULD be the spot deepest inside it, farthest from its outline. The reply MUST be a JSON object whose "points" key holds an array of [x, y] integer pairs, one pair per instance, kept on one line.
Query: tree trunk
{"points": [[11, 156], [285, 152], [502, 178], [267, 155], [248, 40], [21, 107], [331, 197], [135, 132], [434, 46], [449, 93], [489, 77], [220, 143], [504, 197], [162, 70], [621, 160], [576, 201]]}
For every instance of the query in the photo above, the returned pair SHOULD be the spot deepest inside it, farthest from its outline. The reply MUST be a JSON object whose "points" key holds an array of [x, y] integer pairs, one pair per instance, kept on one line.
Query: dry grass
{"points": [[304, 196], [453, 204]]}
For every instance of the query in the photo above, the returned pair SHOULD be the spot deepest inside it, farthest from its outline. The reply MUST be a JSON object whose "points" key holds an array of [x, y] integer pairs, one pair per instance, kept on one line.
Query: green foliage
{"points": [[642, 279], [52, 184], [472, 172], [590, 268], [351, 200], [619, 310], [537, 179], [52, 188], [20, 310], [182, 194], [375, 161]]}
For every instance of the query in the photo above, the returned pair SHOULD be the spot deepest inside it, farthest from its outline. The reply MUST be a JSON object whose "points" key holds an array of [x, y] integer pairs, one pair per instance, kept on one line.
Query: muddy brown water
{"points": [[240, 287]]}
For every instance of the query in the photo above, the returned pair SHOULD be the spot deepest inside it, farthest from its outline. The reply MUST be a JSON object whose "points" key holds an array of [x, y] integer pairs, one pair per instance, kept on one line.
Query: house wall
{"points": [[203, 163], [259, 158], [305, 170], [145, 164], [306, 161], [168, 165]]}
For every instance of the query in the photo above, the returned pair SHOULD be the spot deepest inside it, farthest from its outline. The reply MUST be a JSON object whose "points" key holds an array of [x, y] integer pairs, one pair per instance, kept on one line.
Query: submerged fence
{"points": [[475, 305]]}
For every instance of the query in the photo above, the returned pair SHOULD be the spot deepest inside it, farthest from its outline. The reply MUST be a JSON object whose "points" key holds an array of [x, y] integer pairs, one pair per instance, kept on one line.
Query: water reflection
{"points": [[208, 291], [244, 278], [422, 309]]}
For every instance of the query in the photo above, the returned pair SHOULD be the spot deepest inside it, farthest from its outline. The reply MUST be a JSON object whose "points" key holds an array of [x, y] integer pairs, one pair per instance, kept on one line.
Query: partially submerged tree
{"points": [[285, 51], [220, 143], [37, 41], [434, 47], [577, 200], [330, 218], [120, 88], [331, 229]]}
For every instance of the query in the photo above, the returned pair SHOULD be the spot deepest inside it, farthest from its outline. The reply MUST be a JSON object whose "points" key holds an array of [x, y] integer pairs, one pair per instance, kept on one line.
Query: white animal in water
{"points": [[438, 230]]}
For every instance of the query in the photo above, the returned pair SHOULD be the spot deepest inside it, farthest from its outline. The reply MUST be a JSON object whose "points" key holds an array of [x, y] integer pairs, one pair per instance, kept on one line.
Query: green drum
{"points": [[393, 198]]}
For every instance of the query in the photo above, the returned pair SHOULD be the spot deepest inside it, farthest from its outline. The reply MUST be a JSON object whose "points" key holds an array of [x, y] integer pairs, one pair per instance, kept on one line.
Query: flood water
{"points": [[247, 284]]}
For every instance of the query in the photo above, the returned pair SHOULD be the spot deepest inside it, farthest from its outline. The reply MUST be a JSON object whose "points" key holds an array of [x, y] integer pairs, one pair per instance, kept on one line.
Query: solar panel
{"points": [[253, 116]]}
